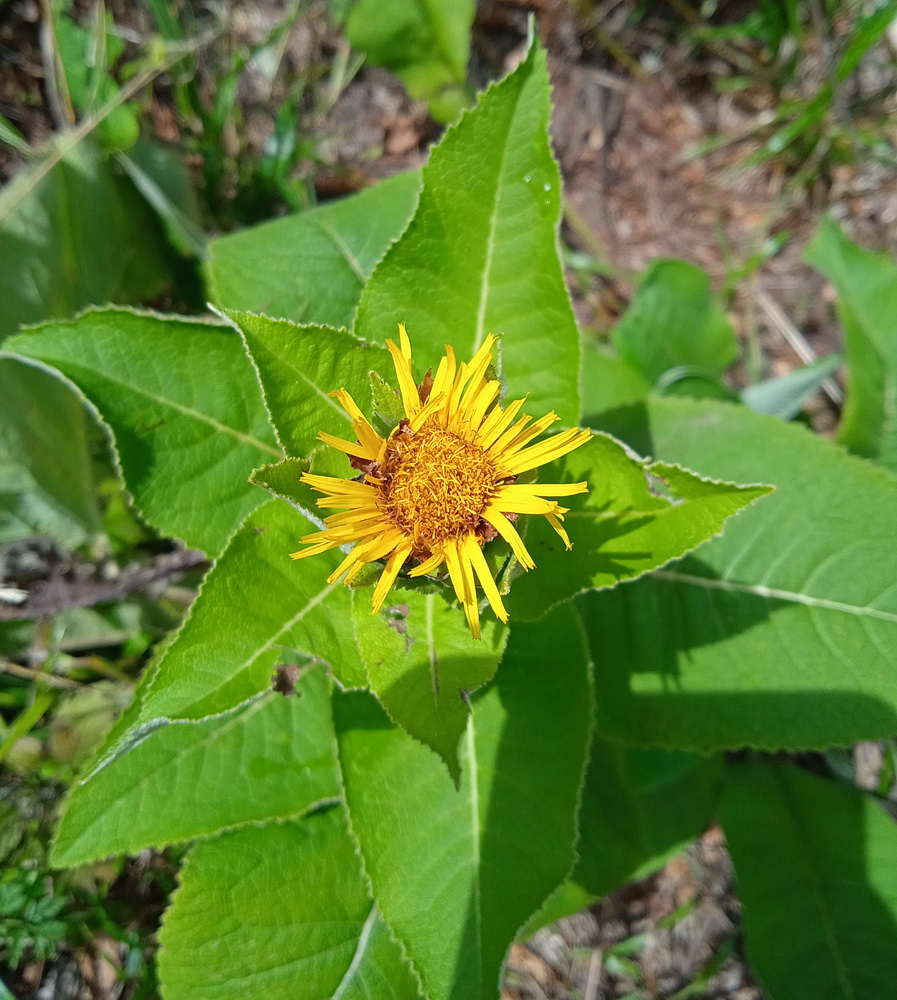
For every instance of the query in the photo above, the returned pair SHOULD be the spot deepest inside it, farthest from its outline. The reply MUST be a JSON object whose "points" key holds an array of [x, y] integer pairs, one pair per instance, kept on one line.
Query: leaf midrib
{"points": [[172, 404], [794, 597]]}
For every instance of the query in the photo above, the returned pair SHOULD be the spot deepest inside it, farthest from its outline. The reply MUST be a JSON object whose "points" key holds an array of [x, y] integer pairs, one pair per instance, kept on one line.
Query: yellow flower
{"points": [[443, 483]]}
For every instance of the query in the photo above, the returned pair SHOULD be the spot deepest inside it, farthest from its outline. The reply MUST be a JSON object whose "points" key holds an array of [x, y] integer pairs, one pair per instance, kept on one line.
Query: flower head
{"points": [[443, 483]]}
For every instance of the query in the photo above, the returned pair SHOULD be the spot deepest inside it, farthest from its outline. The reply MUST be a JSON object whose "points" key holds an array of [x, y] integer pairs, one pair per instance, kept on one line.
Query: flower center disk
{"points": [[435, 484]]}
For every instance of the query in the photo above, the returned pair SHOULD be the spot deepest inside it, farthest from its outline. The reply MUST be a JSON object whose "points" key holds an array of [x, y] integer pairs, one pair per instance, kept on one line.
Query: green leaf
{"points": [[279, 911], [866, 284], [456, 872], [608, 382], [161, 176], [422, 663], [45, 463], [254, 604], [72, 236], [271, 760], [299, 366], [623, 527], [311, 267], [784, 397], [820, 859], [426, 44], [640, 806], [674, 321], [781, 633], [182, 408], [480, 254]]}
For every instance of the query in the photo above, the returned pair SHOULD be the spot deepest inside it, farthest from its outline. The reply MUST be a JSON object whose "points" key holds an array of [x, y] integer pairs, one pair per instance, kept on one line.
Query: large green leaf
{"points": [[456, 872], [422, 663], [279, 911], [640, 805], [480, 254], [674, 322], [816, 869], [271, 760], [299, 366], [311, 267], [74, 236], [45, 463], [780, 634], [254, 605], [624, 526], [866, 284], [425, 42], [182, 407]]}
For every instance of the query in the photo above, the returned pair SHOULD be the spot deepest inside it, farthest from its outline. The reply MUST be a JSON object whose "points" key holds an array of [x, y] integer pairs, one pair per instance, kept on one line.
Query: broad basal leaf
{"points": [[279, 911], [422, 663], [635, 517], [866, 284], [674, 322], [640, 805], [779, 634], [272, 759], [299, 366], [816, 870], [254, 605], [182, 407], [456, 872], [426, 44], [480, 255], [73, 236], [46, 470], [311, 267]]}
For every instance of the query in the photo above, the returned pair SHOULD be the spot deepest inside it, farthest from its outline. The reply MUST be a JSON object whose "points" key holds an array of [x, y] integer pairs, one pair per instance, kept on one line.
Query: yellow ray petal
{"points": [[429, 565], [349, 447], [545, 489], [461, 574], [388, 576], [509, 533], [498, 422], [558, 527], [546, 451], [405, 343], [481, 568], [410, 397]]}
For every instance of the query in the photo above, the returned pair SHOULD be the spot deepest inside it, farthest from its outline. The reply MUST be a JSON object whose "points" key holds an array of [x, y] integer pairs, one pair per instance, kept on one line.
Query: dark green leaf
{"points": [[816, 868], [456, 872]]}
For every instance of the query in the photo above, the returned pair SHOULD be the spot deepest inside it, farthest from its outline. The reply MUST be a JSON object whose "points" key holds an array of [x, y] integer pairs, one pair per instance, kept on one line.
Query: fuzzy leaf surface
{"points": [[279, 911], [272, 759], [480, 255], [866, 284], [779, 634], [254, 605], [298, 367], [311, 267], [820, 856], [636, 516], [422, 663], [182, 407], [457, 871]]}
